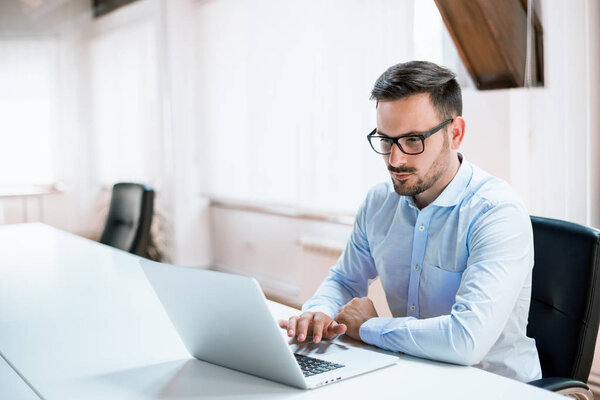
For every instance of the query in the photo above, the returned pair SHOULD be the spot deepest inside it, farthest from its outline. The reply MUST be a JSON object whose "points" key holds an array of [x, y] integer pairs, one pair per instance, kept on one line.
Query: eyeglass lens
{"points": [[408, 144]]}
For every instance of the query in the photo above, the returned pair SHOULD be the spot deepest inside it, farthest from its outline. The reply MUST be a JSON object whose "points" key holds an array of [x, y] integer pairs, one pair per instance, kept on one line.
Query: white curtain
{"points": [[28, 74], [283, 97], [125, 104]]}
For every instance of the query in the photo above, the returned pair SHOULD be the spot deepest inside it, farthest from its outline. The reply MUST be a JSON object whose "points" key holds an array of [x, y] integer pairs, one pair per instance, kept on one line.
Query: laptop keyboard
{"points": [[313, 366]]}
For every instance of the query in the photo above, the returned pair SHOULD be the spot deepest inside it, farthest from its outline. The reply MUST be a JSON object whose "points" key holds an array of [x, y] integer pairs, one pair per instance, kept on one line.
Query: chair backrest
{"points": [[129, 218], [565, 300]]}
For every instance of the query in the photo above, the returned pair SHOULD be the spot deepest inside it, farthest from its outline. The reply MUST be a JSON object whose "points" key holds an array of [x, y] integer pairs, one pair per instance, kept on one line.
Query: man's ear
{"points": [[457, 132]]}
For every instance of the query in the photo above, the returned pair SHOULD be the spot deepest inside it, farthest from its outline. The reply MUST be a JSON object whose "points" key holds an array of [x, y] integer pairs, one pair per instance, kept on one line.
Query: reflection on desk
{"points": [[79, 320]]}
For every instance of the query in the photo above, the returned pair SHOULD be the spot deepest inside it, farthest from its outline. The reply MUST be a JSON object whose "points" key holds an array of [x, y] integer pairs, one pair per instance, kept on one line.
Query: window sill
{"points": [[284, 211], [29, 190]]}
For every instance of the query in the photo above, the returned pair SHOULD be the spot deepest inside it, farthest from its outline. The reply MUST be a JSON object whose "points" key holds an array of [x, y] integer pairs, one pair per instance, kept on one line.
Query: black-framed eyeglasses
{"points": [[411, 144]]}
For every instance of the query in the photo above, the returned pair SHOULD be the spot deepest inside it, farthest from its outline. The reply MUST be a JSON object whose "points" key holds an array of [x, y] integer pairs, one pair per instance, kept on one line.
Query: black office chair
{"points": [[565, 304], [129, 218]]}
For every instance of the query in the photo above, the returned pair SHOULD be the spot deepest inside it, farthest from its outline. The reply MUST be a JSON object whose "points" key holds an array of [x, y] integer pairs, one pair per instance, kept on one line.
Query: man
{"points": [[453, 246]]}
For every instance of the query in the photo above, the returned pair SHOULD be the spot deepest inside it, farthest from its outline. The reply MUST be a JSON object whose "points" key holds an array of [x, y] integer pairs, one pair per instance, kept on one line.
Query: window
{"points": [[125, 106], [284, 107], [28, 74]]}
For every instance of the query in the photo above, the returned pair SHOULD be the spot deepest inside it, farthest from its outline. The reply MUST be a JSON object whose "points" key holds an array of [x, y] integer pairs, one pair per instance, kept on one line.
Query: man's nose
{"points": [[397, 157]]}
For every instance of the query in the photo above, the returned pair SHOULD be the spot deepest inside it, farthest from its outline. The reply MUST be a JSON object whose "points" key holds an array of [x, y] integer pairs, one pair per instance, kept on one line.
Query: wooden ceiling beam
{"points": [[491, 37]]}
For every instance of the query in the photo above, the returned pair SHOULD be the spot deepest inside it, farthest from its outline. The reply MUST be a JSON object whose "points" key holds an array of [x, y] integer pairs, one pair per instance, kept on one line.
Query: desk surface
{"points": [[12, 386], [78, 317]]}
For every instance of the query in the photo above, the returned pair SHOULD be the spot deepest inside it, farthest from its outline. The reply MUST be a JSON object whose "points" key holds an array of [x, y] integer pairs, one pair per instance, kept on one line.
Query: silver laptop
{"points": [[224, 319]]}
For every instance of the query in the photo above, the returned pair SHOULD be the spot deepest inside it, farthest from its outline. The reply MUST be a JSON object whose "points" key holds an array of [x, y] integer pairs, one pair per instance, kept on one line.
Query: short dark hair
{"points": [[414, 77]]}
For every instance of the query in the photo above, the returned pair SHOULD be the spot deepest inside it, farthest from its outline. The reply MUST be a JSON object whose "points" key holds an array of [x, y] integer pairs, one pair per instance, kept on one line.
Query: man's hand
{"points": [[320, 325], [355, 313]]}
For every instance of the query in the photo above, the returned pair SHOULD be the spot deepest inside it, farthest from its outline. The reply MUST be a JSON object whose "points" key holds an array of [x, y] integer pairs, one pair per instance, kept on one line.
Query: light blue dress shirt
{"points": [[457, 274]]}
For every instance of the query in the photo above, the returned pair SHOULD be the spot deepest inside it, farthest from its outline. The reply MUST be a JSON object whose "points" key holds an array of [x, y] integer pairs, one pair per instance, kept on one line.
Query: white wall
{"points": [[544, 141], [554, 130], [289, 256], [486, 141]]}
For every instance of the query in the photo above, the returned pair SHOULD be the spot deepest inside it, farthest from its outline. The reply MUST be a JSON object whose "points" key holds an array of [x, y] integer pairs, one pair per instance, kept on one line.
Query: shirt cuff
{"points": [[370, 332]]}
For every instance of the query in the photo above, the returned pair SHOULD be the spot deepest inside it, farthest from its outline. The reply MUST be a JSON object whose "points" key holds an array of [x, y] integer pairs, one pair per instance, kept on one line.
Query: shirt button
{"points": [[417, 267], [421, 228], [413, 308]]}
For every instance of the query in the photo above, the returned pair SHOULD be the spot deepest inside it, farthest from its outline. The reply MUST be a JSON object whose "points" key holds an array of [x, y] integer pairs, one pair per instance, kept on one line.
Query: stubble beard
{"points": [[439, 166]]}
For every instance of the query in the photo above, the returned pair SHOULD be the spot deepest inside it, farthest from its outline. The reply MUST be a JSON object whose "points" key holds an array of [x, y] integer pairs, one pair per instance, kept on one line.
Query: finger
{"points": [[334, 329], [291, 326], [339, 329], [340, 318], [302, 326], [319, 322], [282, 324]]}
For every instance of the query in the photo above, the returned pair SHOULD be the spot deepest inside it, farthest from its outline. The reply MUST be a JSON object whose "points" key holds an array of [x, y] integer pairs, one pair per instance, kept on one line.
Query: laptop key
{"points": [[312, 366]]}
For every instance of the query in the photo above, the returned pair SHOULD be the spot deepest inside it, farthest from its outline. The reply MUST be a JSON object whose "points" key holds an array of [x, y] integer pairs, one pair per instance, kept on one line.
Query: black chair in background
{"points": [[565, 304], [129, 218]]}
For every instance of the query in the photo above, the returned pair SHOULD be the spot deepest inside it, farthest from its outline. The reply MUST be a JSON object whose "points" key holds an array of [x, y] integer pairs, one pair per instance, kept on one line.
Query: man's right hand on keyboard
{"points": [[320, 325]]}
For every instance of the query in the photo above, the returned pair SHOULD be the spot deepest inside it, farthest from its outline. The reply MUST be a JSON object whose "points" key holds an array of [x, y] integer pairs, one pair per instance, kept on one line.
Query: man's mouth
{"points": [[401, 176]]}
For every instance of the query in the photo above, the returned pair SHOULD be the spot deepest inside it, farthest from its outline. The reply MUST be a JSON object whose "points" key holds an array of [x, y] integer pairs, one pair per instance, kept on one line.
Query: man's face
{"points": [[422, 174]]}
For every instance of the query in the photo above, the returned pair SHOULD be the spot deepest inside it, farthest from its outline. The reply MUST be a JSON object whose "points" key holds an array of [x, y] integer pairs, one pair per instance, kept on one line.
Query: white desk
{"points": [[79, 320], [12, 386]]}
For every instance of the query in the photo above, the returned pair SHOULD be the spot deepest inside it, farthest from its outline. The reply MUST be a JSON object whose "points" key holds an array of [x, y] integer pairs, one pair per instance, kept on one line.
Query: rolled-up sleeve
{"points": [[351, 276]]}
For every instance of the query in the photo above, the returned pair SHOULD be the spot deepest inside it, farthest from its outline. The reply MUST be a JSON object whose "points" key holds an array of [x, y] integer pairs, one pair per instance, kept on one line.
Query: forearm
{"points": [[349, 278], [334, 292], [442, 338]]}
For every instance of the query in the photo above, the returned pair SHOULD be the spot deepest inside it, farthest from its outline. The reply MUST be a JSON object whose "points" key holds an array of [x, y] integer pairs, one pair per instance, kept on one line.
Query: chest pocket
{"points": [[437, 291]]}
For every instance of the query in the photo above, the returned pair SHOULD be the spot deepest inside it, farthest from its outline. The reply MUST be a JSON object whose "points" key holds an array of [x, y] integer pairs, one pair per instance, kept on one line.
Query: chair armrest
{"points": [[556, 384], [570, 387]]}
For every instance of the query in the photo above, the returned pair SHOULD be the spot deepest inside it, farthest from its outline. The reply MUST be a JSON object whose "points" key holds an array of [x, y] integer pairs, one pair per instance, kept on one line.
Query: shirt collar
{"points": [[455, 191]]}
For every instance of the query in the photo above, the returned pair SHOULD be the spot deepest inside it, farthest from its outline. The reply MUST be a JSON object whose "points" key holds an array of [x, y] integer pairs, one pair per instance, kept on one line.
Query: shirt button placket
{"points": [[420, 240]]}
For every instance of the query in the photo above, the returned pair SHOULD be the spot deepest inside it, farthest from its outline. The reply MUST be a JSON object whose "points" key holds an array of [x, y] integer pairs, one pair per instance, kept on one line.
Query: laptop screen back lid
{"points": [[224, 319]]}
